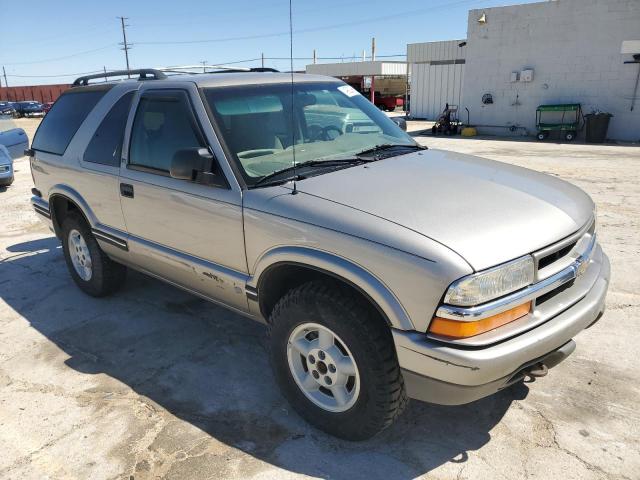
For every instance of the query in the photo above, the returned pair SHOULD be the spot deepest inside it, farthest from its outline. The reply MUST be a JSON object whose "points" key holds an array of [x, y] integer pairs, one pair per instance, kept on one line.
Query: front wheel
{"points": [[334, 359], [91, 269]]}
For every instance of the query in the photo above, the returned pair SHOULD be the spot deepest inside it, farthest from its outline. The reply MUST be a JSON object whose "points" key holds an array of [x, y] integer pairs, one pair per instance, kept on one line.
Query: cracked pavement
{"points": [[154, 383]]}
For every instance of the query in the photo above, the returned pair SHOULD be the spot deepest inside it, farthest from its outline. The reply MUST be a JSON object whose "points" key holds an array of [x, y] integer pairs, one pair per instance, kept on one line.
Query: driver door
{"points": [[185, 232]]}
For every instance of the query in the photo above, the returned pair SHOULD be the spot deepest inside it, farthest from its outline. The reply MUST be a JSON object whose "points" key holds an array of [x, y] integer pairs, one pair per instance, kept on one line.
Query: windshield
{"points": [[331, 121]]}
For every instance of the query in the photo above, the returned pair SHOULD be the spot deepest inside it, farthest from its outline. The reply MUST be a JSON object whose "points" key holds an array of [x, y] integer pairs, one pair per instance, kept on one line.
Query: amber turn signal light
{"points": [[458, 329]]}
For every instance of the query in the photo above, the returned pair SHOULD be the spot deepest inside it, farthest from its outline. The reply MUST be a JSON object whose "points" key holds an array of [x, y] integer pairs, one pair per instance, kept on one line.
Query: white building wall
{"points": [[436, 76], [573, 46]]}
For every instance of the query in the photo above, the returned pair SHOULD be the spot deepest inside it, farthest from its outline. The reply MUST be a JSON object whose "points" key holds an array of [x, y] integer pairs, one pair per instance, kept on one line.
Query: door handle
{"points": [[126, 190]]}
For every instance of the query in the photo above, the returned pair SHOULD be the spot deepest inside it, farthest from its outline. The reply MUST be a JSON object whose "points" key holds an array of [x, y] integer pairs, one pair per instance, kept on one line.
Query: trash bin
{"points": [[597, 126]]}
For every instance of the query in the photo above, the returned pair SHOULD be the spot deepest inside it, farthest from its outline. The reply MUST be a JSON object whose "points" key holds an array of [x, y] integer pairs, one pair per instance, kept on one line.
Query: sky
{"points": [[56, 41]]}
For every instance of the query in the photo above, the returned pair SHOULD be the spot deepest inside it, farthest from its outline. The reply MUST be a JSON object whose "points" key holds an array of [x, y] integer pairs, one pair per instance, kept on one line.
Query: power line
{"points": [[55, 75], [234, 62], [47, 60], [312, 29]]}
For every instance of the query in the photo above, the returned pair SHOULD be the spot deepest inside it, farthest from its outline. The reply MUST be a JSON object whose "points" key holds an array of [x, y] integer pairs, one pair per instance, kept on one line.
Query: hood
{"points": [[486, 211]]}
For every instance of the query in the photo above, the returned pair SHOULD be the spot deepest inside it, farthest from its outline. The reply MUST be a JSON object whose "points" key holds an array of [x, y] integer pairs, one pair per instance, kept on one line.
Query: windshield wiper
{"points": [[268, 180], [388, 146]]}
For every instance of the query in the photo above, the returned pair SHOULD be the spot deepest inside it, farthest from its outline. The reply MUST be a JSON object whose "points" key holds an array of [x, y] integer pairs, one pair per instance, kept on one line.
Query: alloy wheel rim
{"points": [[323, 367], [80, 255]]}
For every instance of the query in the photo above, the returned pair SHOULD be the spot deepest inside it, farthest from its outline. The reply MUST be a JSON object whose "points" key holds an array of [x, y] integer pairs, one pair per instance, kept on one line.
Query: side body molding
{"points": [[336, 266]]}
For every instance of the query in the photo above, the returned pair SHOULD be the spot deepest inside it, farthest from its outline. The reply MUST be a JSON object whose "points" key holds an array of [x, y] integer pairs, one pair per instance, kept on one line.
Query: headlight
{"points": [[4, 168], [492, 283]]}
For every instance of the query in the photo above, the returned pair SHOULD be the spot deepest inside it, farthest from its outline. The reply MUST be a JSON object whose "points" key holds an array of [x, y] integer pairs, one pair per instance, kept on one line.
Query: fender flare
{"points": [[351, 273], [73, 196]]}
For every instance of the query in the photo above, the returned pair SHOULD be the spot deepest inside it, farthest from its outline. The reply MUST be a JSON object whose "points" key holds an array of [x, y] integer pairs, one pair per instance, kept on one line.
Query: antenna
{"points": [[293, 111]]}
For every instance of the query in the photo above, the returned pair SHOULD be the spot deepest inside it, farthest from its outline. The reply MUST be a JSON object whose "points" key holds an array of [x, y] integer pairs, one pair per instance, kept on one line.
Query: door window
{"points": [[105, 146], [163, 125]]}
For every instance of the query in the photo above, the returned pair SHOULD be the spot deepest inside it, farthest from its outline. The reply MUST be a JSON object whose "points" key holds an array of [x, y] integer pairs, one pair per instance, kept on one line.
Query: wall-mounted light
{"points": [[483, 18]]}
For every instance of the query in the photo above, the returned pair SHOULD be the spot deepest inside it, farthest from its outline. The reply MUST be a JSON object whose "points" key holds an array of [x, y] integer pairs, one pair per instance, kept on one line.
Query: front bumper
{"points": [[451, 375]]}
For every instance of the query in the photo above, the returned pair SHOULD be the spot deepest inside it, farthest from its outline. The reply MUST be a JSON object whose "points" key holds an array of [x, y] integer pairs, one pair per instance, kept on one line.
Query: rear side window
{"points": [[105, 146], [63, 120]]}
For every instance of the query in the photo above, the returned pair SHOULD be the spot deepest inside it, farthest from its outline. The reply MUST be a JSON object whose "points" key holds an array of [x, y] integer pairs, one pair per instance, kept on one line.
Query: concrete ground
{"points": [[154, 383]]}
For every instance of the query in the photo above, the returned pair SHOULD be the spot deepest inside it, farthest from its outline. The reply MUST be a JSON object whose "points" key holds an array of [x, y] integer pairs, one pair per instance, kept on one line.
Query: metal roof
{"points": [[376, 68]]}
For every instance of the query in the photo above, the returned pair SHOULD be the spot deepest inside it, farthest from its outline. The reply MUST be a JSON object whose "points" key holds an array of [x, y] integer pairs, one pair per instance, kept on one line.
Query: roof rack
{"points": [[143, 74], [204, 69]]}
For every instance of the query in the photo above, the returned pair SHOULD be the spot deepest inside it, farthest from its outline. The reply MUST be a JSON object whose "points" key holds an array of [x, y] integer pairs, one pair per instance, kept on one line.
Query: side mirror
{"points": [[401, 122], [191, 163]]}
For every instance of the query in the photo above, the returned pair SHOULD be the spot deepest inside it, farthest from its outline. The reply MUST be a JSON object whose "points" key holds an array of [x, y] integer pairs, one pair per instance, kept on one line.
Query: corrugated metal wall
{"points": [[435, 51], [40, 93], [436, 78], [433, 86]]}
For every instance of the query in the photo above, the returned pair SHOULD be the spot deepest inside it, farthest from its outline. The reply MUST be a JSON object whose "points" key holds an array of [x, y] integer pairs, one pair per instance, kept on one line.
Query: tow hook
{"points": [[536, 371]]}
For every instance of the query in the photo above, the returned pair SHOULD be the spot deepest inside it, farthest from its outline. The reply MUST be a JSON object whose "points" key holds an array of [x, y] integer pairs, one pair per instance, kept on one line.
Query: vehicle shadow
{"points": [[207, 366]]}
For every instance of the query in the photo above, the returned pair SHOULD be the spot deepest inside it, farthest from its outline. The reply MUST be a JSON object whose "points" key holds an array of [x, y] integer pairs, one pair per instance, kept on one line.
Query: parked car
{"points": [[7, 108], [46, 107], [28, 108], [6, 167], [382, 269], [15, 141]]}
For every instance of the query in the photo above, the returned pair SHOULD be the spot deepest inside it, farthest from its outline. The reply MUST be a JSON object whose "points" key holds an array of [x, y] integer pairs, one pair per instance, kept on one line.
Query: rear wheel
{"points": [[91, 269], [570, 136], [334, 359], [541, 136]]}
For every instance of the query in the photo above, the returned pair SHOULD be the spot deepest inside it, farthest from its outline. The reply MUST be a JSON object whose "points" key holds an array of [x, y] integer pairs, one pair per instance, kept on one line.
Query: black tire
{"points": [[570, 136], [382, 394], [107, 276], [541, 136]]}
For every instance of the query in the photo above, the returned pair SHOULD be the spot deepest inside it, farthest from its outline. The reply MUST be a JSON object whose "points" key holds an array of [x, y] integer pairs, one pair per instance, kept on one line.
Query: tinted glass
{"points": [[106, 145], [163, 124], [63, 120]]}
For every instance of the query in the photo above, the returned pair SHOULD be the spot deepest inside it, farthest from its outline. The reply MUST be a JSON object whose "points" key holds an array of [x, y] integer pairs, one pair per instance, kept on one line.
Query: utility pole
{"points": [[262, 59], [315, 57], [204, 66], [364, 55], [4, 73], [125, 46], [105, 73], [373, 78]]}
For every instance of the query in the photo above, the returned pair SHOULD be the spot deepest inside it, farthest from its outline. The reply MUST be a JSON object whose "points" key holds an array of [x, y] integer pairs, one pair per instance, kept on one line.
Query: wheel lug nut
{"points": [[332, 368], [315, 374], [321, 355], [327, 380], [312, 359]]}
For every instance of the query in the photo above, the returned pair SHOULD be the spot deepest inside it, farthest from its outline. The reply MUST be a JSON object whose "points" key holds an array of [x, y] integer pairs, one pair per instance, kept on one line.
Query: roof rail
{"points": [[143, 74], [204, 69]]}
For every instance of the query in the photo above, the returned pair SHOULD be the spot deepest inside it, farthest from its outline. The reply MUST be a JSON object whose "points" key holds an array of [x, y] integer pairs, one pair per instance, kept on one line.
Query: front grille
{"points": [[549, 295], [555, 256]]}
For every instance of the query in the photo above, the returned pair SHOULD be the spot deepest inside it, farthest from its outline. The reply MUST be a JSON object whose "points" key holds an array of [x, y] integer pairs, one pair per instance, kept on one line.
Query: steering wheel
{"points": [[325, 135]]}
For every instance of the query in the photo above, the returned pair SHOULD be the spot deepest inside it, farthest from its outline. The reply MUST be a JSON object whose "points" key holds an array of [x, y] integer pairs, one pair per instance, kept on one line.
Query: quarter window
{"points": [[106, 144], [164, 124], [63, 120]]}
